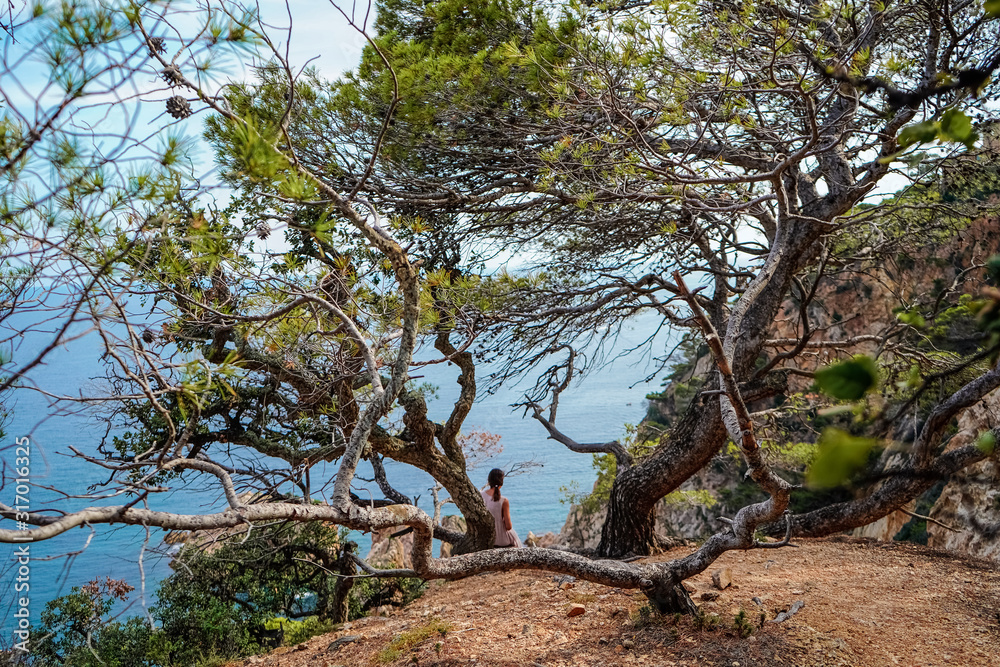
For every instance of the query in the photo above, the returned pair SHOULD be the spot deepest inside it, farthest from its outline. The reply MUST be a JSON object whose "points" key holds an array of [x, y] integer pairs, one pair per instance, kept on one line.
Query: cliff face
{"points": [[970, 504], [854, 301], [867, 299]]}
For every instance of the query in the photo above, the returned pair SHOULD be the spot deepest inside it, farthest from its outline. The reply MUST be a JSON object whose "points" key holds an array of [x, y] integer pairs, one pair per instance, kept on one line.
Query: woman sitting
{"points": [[499, 507]]}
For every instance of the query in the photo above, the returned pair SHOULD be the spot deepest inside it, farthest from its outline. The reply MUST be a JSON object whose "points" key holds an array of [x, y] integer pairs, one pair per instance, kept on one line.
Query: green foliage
{"points": [[691, 498], [207, 609], [915, 530], [954, 126], [839, 457], [76, 630], [204, 621], [742, 624], [989, 308], [642, 617], [987, 442], [407, 640], [298, 631], [848, 380], [606, 466], [705, 622]]}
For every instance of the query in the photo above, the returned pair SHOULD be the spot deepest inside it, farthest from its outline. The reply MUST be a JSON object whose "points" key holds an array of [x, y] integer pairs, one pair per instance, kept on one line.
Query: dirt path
{"points": [[866, 604]]}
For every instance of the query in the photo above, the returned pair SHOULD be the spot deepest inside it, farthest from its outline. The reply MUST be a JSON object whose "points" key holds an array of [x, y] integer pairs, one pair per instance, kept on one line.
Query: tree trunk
{"points": [[479, 533], [700, 433], [627, 530], [340, 609], [669, 596], [629, 527]]}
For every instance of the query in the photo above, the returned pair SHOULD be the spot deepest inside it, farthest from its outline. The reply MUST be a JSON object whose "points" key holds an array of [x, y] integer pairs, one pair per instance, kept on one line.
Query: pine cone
{"points": [[172, 75], [263, 231], [156, 45], [178, 107]]}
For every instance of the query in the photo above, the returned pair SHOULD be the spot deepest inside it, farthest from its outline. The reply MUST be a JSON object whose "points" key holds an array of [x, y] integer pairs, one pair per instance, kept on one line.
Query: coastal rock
{"points": [[389, 551], [451, 522], [545, 541], [970, 503]]}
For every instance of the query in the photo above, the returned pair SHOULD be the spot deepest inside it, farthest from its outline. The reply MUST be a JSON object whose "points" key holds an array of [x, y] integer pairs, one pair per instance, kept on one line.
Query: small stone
{"points": [[565, 586], [337, 644], [628, 643], [708, 596], [602, 641], [576, 610], [528, 629], [722, 578], [757, 601]]}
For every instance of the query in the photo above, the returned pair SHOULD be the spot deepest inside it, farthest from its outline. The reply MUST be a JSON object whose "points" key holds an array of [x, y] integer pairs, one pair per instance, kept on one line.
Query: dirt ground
{"points": [[866, 604]]}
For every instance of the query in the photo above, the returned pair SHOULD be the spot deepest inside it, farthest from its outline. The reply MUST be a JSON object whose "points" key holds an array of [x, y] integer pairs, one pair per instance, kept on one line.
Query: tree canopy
{"points": [[708, 163]]}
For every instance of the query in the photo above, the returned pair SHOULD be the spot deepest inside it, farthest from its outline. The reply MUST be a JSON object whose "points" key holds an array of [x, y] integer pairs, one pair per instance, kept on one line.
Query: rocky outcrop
{"points": [[544, 541], [865, 303], [455, 523], [391, 548], [969, 505]]}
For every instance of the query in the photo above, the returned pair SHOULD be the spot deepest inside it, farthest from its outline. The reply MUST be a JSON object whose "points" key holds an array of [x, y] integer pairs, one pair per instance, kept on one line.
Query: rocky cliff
{"points": [[857, 300], [966, 517]]}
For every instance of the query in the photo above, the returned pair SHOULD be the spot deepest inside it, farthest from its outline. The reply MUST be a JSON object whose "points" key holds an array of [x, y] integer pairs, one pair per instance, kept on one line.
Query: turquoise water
{"points": [[593, 411]]}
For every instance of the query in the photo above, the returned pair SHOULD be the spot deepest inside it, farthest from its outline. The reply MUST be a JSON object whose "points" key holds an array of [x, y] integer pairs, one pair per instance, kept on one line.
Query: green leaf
{"points": [[848, 380], [992, 8], [993, 269], [918, 133], [913, 379], [840, 455], [987, 443], [956, 126], [914, 319]]}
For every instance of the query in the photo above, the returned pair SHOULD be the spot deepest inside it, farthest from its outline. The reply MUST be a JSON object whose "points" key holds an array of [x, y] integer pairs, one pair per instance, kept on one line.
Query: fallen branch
{"points": [[785, 615]]}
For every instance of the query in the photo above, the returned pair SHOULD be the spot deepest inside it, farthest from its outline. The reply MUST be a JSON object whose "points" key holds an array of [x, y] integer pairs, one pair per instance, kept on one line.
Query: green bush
{"points": [[209, 610], [75, 631]]}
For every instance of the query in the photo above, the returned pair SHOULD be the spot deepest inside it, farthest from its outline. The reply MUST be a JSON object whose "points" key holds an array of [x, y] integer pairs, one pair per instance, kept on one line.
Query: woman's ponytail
{"points": [[495, 480]]}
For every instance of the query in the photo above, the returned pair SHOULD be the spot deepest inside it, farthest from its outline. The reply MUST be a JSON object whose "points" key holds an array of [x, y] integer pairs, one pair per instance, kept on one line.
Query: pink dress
{"points": [[505, 538]]}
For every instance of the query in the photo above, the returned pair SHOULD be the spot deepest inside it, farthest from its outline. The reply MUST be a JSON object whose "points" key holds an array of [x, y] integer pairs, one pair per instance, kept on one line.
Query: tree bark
{"points": [[340, 609], [700, 433]]}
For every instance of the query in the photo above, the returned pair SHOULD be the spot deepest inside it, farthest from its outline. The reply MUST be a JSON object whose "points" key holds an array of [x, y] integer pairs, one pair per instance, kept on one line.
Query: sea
{"points": [[596, 408]]}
